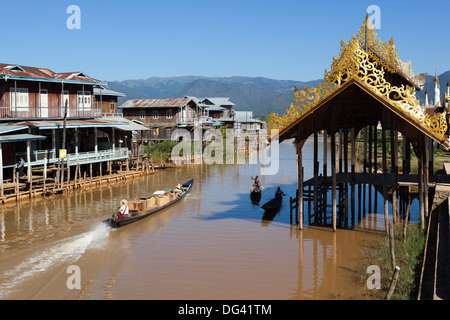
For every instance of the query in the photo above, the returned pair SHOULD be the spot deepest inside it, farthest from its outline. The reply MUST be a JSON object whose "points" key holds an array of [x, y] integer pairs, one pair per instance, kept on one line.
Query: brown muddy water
{"points": [[213, 244]]}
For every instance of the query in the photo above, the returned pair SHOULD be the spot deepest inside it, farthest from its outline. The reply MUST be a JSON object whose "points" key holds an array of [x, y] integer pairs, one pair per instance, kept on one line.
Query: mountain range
{"points": [[257, 94]]}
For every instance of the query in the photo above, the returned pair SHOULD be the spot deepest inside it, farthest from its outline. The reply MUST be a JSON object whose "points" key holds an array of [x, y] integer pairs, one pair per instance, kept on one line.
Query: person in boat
{"points": [[178, 190], [123, 210], [256, 183], [279, 194]]}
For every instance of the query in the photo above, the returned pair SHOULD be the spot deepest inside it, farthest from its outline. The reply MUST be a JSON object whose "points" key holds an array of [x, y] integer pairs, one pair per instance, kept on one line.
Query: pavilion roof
{"points": [[372, 68]]}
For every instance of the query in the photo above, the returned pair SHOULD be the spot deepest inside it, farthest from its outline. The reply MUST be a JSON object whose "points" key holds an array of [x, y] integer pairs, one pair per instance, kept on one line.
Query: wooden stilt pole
{"points": [[300, 183], [385, 195], [316, 177], [353, 168], [346, 180], [325, 172], [333, 178]]}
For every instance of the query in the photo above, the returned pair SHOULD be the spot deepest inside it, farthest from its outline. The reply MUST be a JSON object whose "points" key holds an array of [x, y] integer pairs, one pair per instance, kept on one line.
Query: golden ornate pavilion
{"points": [[367, 85]]}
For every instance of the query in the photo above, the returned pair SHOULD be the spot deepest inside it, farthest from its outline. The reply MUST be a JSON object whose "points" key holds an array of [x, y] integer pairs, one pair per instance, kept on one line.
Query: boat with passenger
{"points": [[136, 210]]}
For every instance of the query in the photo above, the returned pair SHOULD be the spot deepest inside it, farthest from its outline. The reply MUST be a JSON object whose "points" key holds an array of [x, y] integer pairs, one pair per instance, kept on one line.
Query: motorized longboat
{"points": [[140, 209]]}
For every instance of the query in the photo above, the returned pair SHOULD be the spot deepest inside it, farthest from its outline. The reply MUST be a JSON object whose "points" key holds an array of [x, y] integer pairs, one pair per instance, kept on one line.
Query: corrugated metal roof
{"points": [[86, 123], [43, 74], [11, 128], [220, 101], [156, 103], [21, 137], [132, 126], [106, 92]]}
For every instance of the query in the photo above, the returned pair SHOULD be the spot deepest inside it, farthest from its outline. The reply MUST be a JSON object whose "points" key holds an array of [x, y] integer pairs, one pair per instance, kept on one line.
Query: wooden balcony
{"points": [[36, 113]]}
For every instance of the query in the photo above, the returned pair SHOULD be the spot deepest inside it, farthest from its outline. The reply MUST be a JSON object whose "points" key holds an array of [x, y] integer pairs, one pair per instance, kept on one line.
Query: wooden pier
{"points": [[45, 181]]}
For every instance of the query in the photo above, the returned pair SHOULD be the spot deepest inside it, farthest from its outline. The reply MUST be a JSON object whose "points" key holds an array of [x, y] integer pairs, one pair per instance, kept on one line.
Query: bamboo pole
{"points": [[393, 283], [391, 244]]}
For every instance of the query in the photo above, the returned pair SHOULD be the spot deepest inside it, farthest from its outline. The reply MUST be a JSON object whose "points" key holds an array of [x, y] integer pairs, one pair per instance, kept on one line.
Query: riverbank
{"points": [[408, 256]]}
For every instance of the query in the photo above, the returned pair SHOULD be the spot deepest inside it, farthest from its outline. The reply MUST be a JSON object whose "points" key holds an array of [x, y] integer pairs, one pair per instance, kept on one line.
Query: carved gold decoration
{"points": [[355, 63]]}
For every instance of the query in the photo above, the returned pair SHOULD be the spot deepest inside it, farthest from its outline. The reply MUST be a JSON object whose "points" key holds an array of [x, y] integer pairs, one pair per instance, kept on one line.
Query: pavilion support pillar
{"points": [[316, 178], [370, 164], [425, 176], [353, 166], [394, 171], [300, 183], [430, 158], [340, 150], [333, 178], [420, 177], [385, 195], [325, 170], [375, 149], [346, 180]]}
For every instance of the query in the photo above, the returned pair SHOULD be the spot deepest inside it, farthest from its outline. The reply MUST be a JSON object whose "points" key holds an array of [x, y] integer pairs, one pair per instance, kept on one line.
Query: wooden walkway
{"points": [[378, 179], [23, 187]]}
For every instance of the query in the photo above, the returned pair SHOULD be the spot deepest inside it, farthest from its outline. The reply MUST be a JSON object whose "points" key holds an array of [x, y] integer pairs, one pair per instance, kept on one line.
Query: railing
{"points": [[31, 112], [72, 159]]}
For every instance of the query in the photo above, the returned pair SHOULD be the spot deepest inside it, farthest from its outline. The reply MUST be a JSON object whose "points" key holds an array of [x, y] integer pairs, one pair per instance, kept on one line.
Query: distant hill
{"points": [[255, 94]]}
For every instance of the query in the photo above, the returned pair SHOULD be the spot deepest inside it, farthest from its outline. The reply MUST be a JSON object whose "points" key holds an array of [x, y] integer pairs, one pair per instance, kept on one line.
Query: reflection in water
{"points": [[214, 244]]}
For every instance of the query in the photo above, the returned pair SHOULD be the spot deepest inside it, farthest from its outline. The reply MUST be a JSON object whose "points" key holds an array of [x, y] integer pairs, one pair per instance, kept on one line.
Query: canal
{"points": [[214, 244]]}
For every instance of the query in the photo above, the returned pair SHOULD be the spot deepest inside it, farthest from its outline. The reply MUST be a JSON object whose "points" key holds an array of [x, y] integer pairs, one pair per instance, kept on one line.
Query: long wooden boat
{"points": [[273, 205], [255, 194], [145, 207]]}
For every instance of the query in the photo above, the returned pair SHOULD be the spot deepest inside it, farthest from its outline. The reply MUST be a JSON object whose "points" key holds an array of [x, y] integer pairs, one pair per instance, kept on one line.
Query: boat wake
{"points": [[67, 251]]}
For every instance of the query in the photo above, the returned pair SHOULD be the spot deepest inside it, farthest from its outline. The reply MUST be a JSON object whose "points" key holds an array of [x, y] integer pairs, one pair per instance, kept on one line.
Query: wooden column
{"points": [[385, 195], [425, 176], [325, 172], [394, 170], [420, 178], [300, 182], [340, 150], [353, 168], [430, 158], [346, 180], [316, 176], [375, 148], [333, 177], [1, 170]]}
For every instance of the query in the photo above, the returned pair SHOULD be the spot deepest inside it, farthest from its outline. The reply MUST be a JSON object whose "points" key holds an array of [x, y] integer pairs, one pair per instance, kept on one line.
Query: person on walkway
{"points": [[21, 167]]}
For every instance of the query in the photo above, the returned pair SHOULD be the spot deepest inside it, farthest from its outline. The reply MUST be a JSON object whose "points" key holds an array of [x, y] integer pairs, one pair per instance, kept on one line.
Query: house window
{"points": [[155, 114], [142, 114], [22, 98], [112, 106], [84, 100], [169, 131], [169, 114], [155, 131]]}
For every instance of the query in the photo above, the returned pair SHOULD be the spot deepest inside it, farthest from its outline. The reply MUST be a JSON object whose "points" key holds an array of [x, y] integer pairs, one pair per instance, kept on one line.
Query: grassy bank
{"points": [[409, 256]]}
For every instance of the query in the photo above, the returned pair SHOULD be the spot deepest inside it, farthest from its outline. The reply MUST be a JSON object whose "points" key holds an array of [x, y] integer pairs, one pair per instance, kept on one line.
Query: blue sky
{"points": [[283, 39]]}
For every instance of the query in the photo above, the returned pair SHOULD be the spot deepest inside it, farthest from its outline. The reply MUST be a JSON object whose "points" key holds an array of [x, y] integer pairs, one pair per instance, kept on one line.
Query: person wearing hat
{"points": [[178, 190], [123, 210]]}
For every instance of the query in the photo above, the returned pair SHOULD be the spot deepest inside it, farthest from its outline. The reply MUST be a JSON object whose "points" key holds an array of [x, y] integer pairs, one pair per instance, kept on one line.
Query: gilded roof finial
{"points": [[436, 79]]}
